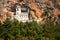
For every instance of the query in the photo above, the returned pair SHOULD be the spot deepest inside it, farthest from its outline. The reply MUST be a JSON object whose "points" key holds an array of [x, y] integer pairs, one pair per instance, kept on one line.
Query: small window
{"points": [[17, 9]]}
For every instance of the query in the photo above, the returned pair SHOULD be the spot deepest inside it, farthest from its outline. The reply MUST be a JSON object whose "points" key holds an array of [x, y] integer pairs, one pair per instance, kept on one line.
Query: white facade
{"points": [[21, 16], [18, 11]]}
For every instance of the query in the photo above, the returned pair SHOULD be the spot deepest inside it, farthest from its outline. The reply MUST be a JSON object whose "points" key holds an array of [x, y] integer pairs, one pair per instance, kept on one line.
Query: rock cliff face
{"points": [[37, 7]]}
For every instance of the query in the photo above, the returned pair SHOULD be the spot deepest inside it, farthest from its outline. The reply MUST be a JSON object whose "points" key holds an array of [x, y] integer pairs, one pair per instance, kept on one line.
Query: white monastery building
{"points": [[22, 14]]}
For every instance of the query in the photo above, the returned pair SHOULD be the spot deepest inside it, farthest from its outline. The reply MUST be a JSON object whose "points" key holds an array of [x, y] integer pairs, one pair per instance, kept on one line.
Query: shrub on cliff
{"points": [[14, 30]]}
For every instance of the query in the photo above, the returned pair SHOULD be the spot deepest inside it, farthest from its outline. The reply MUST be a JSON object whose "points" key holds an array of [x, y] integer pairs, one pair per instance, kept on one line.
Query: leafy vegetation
{"points": [[14, 30]]}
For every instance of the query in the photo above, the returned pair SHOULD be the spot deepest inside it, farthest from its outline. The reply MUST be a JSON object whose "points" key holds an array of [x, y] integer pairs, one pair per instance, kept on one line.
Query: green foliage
{"points": [[14, 30]]}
